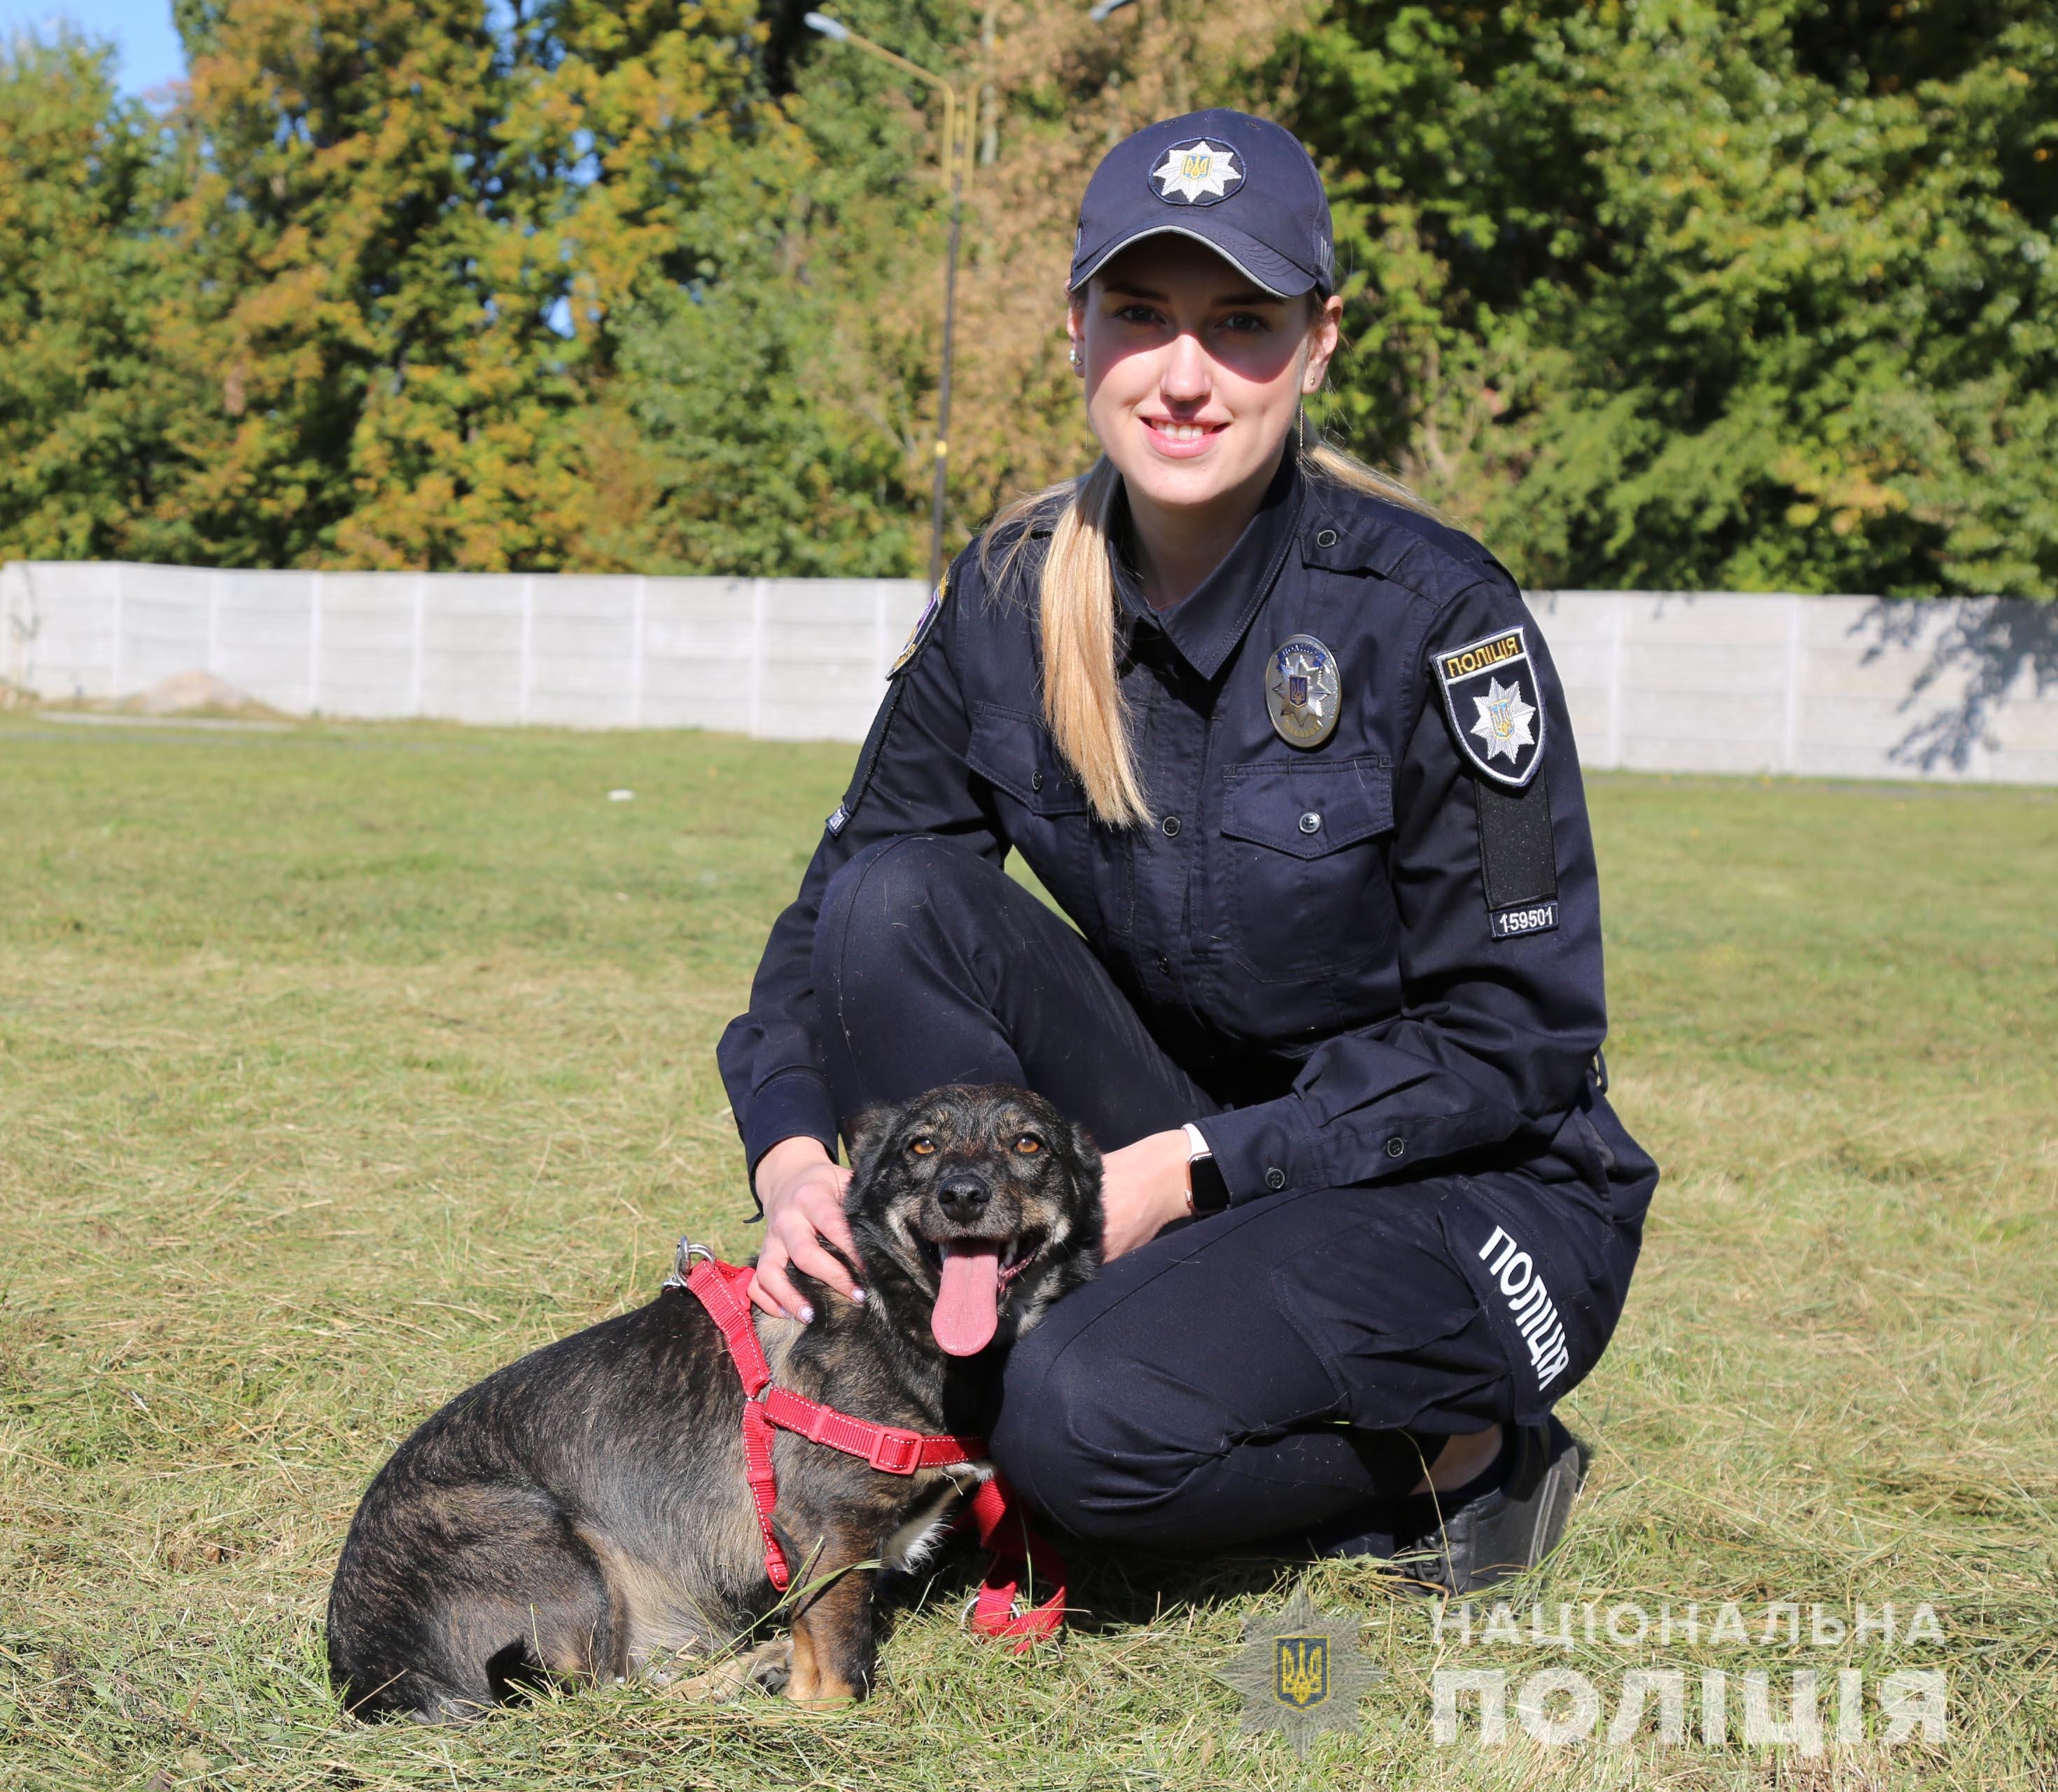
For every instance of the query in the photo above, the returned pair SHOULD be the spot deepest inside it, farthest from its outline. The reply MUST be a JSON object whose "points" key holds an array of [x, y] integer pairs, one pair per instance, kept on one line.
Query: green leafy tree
{"points": [[1663, 293], [89, 413], [1708, 295]]}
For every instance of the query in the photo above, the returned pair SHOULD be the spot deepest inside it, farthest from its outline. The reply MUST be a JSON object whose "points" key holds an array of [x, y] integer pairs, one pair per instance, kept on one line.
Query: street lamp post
{"points": [[955, 156]]}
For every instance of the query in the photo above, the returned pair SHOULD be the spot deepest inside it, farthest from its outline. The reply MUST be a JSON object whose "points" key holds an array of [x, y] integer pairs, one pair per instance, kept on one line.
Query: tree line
{"points": [[1652, 294]]}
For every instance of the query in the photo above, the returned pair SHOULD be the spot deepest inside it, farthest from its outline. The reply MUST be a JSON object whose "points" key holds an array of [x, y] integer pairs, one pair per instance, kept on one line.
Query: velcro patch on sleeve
{"points": [[1518, 857], [923, 623], [874, 739]]}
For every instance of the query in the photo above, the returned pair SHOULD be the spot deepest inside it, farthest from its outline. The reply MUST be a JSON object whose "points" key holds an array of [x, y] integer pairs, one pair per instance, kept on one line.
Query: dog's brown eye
{"points": [[1028, 1145], [923, 1147]]}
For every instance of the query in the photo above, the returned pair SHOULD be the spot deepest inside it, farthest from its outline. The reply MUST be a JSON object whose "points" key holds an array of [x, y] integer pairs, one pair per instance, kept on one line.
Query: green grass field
{"points": [[340, 1065]]}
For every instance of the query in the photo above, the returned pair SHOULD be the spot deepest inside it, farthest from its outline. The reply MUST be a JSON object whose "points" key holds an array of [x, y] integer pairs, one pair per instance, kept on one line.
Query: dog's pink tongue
{"points": [[967, 1305]]}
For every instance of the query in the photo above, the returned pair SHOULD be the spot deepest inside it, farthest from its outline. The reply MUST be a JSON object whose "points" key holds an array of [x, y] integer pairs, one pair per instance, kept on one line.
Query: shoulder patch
{"points": [[922, 624], [1495, 708]]}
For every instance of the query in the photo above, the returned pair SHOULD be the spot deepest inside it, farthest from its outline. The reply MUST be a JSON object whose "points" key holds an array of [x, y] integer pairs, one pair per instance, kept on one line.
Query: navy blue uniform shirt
{"points": [[1383, 950]]}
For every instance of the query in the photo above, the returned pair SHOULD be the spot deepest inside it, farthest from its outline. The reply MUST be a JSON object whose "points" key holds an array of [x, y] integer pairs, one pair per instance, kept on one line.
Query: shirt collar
{"points": [[1206, 624]]}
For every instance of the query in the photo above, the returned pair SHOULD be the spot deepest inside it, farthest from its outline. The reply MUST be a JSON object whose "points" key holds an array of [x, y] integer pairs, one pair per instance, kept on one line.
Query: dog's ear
{"points": [[866, 1133]]}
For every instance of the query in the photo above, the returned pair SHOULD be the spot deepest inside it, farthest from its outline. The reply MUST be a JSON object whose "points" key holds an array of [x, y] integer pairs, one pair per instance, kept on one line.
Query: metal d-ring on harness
{"points": [[722, 1289]]}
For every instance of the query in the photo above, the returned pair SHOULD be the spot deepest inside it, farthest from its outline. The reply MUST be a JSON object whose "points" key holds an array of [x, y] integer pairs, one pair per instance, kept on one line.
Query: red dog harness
{"points": [[1002, 1528]]}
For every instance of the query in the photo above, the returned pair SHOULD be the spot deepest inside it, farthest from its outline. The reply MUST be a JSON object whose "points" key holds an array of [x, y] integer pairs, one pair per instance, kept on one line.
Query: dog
{"points": [[584, 1512]]}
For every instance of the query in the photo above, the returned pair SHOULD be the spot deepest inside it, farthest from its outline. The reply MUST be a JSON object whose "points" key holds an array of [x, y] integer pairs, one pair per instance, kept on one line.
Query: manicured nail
{"points": [[857, 1294], [807, 1314]]}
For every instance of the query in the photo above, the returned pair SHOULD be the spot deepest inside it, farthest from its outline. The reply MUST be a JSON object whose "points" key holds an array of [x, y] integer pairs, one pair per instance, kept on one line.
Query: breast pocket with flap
{"points": [[1304, 846]]}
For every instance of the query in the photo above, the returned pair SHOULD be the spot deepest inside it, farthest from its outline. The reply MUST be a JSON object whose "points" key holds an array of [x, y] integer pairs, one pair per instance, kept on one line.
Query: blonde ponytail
{"points": [[1082, 701]]}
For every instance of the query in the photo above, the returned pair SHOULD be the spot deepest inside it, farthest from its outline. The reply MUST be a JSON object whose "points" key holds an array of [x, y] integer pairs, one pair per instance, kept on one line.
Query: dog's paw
{"points": [[767, 1668], [772, 1666]]}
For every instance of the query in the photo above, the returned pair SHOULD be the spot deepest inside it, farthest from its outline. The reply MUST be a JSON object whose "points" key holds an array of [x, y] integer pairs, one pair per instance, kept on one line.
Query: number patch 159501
{"points": [[1537, 917]]}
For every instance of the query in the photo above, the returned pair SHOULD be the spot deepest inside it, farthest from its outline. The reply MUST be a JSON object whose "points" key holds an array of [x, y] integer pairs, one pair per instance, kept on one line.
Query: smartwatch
{"points": [[1206, 1192]]}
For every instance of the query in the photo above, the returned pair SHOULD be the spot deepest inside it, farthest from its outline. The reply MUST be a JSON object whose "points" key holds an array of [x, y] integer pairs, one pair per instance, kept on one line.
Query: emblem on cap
{"points": [[1197, 172], [1302, 692], [1490, 691]]}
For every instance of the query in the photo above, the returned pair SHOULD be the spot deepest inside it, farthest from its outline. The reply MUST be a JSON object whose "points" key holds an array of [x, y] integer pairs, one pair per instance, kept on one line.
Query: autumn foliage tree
{"points": [[1755, 294], [412, 227]]}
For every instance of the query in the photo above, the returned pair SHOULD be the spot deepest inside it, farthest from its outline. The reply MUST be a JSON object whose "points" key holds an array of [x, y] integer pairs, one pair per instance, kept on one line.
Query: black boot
{"points": [[1505, 1522]]}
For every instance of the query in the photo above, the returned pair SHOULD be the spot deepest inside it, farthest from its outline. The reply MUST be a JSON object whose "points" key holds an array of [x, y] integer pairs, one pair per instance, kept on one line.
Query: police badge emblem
{"points": [[1491, 692], [1197, 172], [1302, 692]]}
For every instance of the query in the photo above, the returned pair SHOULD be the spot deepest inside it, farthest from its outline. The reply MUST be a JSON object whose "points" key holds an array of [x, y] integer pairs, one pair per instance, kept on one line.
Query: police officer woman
{"points": [[1292, 756]]}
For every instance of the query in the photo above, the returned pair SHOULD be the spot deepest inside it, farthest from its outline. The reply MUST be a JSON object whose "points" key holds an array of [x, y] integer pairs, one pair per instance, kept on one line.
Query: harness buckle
{"points": [[682, 1262], [896, 1452]]}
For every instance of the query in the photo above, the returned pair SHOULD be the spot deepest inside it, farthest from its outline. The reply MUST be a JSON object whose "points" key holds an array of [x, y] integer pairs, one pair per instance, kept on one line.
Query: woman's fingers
{"points": [[812, 1258], [816, 1206], [770, 1290], [831, 1221]]}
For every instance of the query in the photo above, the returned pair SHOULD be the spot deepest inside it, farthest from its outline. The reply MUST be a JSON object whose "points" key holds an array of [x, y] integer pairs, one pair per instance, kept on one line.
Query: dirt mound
{"points": [[196, 694]]}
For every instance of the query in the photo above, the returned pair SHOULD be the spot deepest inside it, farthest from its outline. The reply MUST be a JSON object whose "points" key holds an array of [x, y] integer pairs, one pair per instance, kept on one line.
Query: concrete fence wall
{"points": [[784, 658], [1659, 682]]}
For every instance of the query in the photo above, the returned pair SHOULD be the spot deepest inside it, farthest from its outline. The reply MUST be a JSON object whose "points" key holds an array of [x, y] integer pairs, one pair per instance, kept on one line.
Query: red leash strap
{"points": [[1004, 1528]]}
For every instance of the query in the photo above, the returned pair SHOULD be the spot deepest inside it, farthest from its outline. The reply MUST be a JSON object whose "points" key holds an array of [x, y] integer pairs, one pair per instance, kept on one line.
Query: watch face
{"points": [[1211, 1193]]}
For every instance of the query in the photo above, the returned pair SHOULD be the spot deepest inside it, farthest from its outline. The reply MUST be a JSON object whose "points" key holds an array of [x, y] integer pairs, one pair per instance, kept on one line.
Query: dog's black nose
{"points": [[963, 1198]]}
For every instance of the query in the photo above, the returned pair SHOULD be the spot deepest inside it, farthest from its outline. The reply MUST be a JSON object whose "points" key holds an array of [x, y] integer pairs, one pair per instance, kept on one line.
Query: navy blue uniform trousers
{"points": [[1278, 1372]]}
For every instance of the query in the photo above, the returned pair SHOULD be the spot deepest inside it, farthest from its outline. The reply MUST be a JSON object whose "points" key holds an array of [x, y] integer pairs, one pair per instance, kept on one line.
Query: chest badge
{"points": [[1303, 694]]}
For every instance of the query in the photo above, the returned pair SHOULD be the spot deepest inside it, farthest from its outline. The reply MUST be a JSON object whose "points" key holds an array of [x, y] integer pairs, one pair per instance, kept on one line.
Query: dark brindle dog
{"points": [[585, 1512]]}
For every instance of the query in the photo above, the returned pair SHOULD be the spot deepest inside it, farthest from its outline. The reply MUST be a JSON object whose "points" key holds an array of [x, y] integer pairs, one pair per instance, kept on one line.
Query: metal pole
{"points": [[956, 160], [954, 157]]}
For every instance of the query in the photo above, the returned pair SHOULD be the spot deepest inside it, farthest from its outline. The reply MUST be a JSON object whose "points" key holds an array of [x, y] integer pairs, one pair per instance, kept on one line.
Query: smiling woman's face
{"points": [[1193, 370]]}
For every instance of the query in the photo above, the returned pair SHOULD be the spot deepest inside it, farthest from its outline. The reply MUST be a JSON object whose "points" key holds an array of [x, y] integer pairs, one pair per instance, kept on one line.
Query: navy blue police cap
{"points": [[1242, 185]]}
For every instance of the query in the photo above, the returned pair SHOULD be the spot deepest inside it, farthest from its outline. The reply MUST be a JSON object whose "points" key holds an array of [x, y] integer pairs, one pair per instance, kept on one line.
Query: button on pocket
{"points": [[1304, 864], [1013, 752]]}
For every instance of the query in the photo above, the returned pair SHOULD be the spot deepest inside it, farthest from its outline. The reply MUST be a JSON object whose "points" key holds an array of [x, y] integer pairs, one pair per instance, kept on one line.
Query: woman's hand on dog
{"points": [[1143, 1189], [801, 1188]]}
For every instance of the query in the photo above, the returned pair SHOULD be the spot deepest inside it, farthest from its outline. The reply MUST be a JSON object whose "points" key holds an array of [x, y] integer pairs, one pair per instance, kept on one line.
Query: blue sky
{"points": [[150, 51]]}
